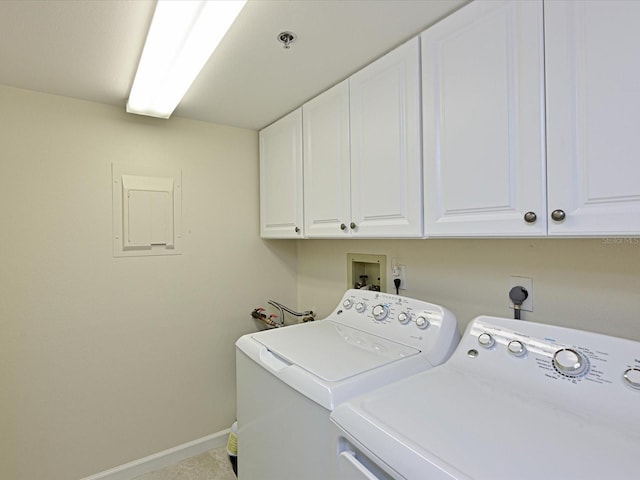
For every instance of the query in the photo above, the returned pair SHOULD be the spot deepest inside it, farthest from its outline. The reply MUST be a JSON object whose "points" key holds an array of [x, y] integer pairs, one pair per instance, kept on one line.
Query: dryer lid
{"points": [[332, 351], [448, 424]]}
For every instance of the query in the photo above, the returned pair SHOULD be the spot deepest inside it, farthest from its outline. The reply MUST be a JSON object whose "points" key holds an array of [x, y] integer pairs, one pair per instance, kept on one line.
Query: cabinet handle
{"points": [[353, 225], [558, 215], [297, 230], [530, 217], [343, 226]]}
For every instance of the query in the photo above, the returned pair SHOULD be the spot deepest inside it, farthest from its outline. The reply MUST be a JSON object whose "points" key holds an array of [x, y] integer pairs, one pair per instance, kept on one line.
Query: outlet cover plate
{"points": [[400, 271]]}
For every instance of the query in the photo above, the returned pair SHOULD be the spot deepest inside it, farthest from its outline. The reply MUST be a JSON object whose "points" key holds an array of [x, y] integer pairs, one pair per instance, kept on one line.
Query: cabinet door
{"points": [[327, 202], [593, 114], [483, 99], [386, 187], [281, 178]]}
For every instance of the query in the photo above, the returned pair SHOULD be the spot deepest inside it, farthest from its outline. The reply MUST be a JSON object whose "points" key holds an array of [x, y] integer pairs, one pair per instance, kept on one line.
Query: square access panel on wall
{"points": [[147, 211], [367, 271]]}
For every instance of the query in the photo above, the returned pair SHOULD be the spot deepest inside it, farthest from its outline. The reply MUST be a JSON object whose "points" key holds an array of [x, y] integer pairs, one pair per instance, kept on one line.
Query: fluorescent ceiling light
{"points": [[182, 37]]}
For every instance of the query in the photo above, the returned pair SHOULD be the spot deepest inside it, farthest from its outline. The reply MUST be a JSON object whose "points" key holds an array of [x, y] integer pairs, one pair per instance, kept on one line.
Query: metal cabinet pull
{"points": [[530, 217], [558, 215]]}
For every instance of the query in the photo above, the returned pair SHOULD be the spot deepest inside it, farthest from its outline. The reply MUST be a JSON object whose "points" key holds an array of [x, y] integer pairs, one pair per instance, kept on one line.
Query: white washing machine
{"points": [[516, 400], [289, 379]]}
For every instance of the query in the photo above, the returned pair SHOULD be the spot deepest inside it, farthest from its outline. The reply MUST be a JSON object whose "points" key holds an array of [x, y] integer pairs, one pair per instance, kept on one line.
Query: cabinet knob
{"points": [[558, 215], [343, 226], [353, 225], [530, 217], [297, 230]]}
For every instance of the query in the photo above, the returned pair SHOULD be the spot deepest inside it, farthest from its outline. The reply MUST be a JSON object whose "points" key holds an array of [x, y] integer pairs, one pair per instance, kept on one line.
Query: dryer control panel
{"points": [[581, 370], [430, 328]]}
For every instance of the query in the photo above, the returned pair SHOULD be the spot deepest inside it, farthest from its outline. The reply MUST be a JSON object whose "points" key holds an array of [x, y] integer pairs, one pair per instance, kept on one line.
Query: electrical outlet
{"points": [[400, 271], [527, 283]]}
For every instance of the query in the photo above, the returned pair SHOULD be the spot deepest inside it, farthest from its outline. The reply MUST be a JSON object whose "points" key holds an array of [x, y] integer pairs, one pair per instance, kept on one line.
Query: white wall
{"points": [[592, 284], [105, 360]]}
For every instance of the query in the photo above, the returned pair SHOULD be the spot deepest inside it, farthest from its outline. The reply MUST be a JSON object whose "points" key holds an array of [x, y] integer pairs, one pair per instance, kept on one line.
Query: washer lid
{"points": [[332, 351]]}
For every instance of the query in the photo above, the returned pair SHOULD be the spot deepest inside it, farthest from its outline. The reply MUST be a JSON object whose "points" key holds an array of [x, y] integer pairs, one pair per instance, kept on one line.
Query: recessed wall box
{"points": [[146, 213], [367, 271]]}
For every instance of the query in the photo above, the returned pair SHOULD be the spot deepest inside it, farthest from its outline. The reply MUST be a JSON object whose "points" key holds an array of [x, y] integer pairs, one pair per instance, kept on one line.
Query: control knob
{"points": [[570, 363], [486, 340], [422, 322], [403, 318], [516, 348], [361, 307], [380, 312], [348, 303], [632, 377]]}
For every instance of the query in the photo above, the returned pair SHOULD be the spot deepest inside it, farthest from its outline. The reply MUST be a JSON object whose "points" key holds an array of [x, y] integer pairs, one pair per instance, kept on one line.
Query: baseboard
{"points": [[162, 459]]}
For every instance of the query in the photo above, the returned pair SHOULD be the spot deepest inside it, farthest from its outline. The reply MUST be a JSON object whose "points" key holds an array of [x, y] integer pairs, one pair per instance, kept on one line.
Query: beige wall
{"points": [[593, 284], [105, 360]]}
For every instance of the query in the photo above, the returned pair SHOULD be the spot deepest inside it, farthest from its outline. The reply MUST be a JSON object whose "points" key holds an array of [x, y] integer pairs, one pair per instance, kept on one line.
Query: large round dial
{"points": [[632, 377], [570, 362], [380, 312], [361, 307]]}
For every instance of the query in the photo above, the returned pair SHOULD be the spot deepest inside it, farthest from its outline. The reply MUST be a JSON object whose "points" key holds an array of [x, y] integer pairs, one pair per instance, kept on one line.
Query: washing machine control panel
{"points": [[581, 368], [410, 321]]}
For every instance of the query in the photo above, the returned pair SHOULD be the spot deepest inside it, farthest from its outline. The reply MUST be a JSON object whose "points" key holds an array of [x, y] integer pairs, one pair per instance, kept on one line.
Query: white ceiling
{"points": [[89, 49]]}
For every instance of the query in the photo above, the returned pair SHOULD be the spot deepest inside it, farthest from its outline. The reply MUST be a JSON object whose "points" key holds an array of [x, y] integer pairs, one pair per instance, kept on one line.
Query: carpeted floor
{"points": [[212, 465]]}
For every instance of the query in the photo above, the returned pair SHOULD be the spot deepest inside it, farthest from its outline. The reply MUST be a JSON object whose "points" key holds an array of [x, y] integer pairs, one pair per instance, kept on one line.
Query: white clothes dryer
{"points": [[290, 379], [516, 400]]}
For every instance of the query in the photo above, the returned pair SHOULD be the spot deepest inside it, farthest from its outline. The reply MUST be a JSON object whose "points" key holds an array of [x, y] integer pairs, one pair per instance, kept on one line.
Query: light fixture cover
{"points": [[182, 37]]}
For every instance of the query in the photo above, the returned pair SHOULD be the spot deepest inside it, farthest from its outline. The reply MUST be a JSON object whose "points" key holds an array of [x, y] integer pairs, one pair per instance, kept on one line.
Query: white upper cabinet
{"points": [[327, 185], [386, 187], [483, 115], [529, 128], [362, 159], [281, 212], [593, 114]]}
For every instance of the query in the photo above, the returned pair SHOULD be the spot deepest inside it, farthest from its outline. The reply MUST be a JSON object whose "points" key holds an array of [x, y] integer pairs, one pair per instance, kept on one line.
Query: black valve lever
{"points": [[518, 295]]}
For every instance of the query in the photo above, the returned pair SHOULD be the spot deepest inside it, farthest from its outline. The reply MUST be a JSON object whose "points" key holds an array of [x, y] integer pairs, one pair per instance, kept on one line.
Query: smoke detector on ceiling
{"points": [[286, 39]]}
